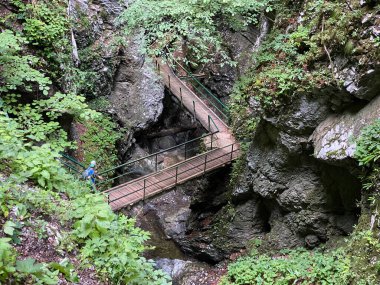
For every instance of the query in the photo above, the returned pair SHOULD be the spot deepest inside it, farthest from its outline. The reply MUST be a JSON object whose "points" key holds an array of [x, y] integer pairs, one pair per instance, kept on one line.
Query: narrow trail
{"points": [[224, 151]]}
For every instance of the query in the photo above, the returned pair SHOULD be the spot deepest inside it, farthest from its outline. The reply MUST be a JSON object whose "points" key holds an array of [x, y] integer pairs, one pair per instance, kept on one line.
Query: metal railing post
{"points": [[144, 189], [180, 92], [204, 171], [176, 175], [185, 150], [211, 139], [232, 151], [209, 125], [156, 163], [194, 109]]}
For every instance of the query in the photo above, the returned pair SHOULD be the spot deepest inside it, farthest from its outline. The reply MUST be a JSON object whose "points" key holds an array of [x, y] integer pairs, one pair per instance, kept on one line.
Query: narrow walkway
{"points": [[226, 150]]}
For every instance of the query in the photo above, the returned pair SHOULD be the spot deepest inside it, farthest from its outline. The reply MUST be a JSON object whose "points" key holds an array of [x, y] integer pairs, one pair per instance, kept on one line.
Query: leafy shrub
{"points": [[291, 267], [196, 23], [7, 259], [113, 244], [368, 145], [94, 216], [18, 70], [99, 142], [118, 255], [45, 23]]}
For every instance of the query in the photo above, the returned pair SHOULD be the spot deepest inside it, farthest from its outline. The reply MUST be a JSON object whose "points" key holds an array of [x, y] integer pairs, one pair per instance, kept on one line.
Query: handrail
{"points": [[68, 157], [211, 133], [224, 110], [173, 166], [155, 156], [157, 153], [177, 174], [71, 163], [70, 167]]}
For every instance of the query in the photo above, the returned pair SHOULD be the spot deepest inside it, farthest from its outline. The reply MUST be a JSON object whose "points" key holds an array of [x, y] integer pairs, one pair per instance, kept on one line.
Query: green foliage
{"points": [[99, 142], [291, 267], [118, 254], [37, 272], [13, 230], [196, 23], [93, 215], [363, 249], [18, 70], [368, 145], [45, 23], [294, 59], [367, 152], [31, 118], [113, 244], [27, 161], [7, 259], [21, 271], [66, 268]]}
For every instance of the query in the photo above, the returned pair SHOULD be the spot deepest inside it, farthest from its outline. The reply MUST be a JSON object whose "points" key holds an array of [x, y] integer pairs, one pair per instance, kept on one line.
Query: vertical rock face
{"points": [[137, 95], [285, 196], [240, 45], [301, 201], [120, 74]]}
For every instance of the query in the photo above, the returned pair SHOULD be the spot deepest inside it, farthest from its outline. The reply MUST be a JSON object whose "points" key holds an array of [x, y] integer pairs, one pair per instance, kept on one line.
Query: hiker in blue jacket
{"points": [[91, 175]]}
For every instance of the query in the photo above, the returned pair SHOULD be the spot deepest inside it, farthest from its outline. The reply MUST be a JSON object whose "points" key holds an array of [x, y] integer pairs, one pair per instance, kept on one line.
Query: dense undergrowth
{"points": [[290, 267], [41, 203]]}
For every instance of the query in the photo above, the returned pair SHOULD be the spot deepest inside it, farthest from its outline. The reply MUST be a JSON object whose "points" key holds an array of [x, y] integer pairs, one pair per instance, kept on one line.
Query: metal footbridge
{"points": [[213, 150]]}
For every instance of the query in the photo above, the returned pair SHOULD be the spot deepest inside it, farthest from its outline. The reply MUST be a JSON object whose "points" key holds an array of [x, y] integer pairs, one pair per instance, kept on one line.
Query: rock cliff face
{"points": [[334, 138], [122, 75], [123, 83], [285, 196]]}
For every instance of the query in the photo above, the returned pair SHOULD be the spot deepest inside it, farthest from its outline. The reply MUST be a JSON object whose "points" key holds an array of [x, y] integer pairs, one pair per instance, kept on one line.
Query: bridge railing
{"points": [[152, 162], [209, 98], [71, 164], [177, 174]]}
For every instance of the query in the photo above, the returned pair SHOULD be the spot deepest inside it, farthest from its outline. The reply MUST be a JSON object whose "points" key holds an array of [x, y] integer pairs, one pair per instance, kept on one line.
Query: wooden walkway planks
{"points": [[149, 185], [134, 191]]}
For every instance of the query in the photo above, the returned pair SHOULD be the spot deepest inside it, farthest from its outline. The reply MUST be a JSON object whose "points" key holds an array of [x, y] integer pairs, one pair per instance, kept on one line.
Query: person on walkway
{"points": [[90, 174]]}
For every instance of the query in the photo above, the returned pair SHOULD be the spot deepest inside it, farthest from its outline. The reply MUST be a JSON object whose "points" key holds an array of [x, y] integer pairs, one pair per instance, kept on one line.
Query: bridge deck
{"points": [[147, 186], [151, 184]]}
